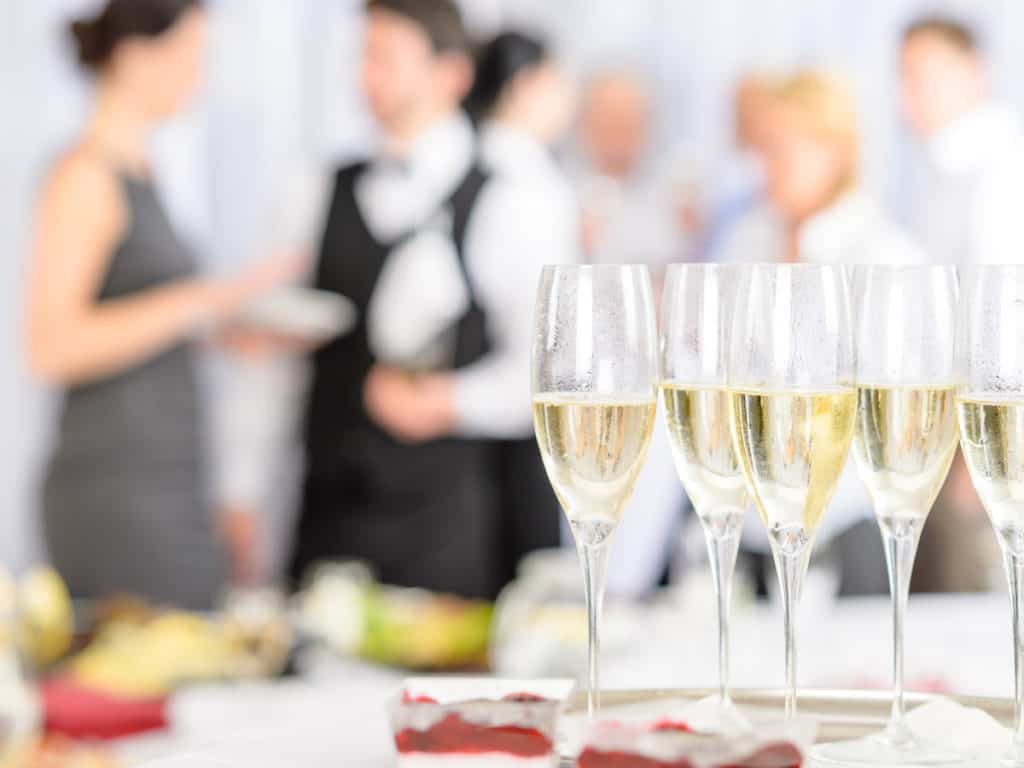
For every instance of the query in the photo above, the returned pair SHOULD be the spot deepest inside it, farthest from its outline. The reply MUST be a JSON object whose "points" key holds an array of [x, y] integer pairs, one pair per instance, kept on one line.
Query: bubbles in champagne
{"points": [[593, 450], [992, 438], [904, 443], [698, 426], [792, 446]]}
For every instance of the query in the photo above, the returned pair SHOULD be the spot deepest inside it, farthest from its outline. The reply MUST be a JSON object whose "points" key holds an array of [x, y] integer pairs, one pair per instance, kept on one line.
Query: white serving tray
{"points": [[841, 714]]}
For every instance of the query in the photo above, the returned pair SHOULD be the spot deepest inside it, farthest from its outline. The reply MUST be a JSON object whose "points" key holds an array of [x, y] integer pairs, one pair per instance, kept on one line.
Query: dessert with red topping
{"points": [[488, 723], [671, 743]]}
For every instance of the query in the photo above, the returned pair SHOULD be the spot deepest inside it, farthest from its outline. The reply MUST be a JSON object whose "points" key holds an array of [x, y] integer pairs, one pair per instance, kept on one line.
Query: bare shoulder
{"points": [[81, 185]]}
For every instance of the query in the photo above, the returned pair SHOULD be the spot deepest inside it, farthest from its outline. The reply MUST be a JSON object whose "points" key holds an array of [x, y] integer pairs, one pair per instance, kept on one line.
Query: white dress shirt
{"points": [[526, 218], [853, 230], [966, 208]]}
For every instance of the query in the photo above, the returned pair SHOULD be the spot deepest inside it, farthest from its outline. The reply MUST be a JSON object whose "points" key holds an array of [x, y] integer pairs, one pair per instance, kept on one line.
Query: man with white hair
{"points": [[629, 216], [965, 211], [628, 208]]}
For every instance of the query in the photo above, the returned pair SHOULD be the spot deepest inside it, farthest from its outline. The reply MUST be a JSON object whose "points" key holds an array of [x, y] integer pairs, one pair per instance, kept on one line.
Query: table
{"points": [[336, 714]]}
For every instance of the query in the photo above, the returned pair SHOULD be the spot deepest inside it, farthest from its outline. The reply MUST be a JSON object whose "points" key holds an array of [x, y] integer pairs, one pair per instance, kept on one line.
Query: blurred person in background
{"points": [[115, 307], [631, 214], [965, 210], [629, 209], [817, 211], [966, 205], [740, 187], [442, 263], [523, 103], [811, 149]]}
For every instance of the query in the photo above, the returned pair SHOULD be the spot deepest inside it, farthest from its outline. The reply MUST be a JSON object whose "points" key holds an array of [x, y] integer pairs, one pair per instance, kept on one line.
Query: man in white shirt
{"points": [[965, 211], [404, 411], [965, 208]]}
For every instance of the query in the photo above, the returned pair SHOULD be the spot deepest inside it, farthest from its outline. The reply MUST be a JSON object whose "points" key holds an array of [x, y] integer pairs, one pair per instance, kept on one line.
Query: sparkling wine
{"points": [[792, 446], [992, 438], [904, 443], [698, 426], [593, 451]]}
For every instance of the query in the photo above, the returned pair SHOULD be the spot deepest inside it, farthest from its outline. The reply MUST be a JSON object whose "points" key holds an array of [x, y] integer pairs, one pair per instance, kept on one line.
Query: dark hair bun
{"points": [[498, 63], [97, 38], [88, 36]]}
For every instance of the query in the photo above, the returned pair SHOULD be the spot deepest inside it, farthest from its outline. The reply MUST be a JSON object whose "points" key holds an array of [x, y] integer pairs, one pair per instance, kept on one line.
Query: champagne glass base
{"points": [[879, 750], [715, 715], [1014, 758]]}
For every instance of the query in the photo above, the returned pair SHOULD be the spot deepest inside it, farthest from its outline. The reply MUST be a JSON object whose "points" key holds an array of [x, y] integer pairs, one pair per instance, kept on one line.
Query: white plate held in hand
{"points": [[301, 313]]}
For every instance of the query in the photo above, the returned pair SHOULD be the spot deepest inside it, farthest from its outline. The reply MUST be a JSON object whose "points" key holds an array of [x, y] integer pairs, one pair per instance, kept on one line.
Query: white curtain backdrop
{"points": [[282, 95]]}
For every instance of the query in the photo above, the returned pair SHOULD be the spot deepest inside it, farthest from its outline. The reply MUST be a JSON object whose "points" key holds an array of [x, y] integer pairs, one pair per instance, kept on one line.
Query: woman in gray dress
{"points": [[114, 307]]}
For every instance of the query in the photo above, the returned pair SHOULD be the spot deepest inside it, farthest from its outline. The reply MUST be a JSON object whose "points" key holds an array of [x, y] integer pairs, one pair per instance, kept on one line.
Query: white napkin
{"points": [[421, 292], [967, 731], [948, 726]]}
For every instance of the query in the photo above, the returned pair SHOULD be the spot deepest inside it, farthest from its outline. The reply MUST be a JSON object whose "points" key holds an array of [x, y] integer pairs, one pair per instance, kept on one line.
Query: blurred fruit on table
{"points": [[345, 609], [19, 706], [45, 624], [419, 630], [140, 655]]}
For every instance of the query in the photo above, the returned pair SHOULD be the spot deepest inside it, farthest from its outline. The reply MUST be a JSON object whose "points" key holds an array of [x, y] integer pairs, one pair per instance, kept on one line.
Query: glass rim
{"points": [[795, 266], [907, 267], [980, 269], [548, 268], [700, 266]]}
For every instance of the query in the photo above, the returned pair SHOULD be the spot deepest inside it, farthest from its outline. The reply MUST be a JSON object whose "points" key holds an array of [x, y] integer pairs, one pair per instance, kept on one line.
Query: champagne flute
{"points": [[904, 443], [792, 408], [695, 310], [595, 376], [990, 406]]}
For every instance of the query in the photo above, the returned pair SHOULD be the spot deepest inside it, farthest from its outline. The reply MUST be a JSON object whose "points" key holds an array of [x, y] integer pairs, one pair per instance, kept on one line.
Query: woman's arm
{"points": [[71, 337]]}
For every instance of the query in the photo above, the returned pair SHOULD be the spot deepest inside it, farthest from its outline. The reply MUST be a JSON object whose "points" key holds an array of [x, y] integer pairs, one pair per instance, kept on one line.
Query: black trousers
{"points": [[530, 516], [445, 541]]}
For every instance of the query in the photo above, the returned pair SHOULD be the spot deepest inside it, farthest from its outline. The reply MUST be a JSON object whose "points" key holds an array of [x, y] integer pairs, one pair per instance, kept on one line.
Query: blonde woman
{"points": [[817, 211]]}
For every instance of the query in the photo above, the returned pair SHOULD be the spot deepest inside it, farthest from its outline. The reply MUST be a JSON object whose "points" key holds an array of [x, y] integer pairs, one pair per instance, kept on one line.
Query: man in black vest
{"points": [[400, 470]]}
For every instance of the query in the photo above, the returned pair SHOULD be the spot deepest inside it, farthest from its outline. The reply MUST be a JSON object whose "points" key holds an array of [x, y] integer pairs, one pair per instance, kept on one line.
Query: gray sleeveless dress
{"points": [[125, 498]]}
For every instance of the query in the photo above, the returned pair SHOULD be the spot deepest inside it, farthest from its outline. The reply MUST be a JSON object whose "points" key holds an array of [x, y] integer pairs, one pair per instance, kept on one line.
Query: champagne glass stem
{"points": [[722, 552], [1014, 559], [792, 568], [900, 538], [595, 566]]}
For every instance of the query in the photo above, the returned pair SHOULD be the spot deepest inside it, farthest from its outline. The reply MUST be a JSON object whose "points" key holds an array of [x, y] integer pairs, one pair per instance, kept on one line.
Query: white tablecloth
{"points": [[337, 715]]}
